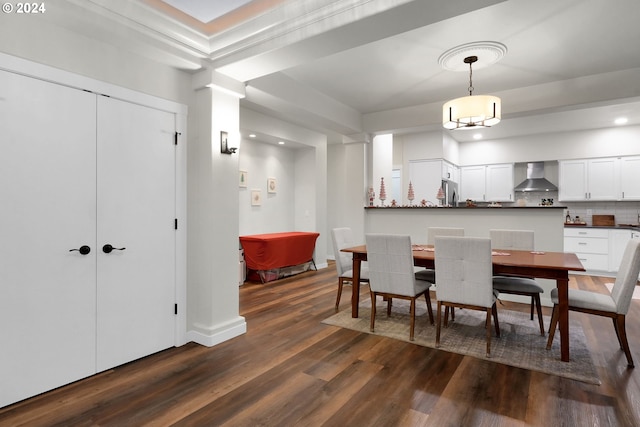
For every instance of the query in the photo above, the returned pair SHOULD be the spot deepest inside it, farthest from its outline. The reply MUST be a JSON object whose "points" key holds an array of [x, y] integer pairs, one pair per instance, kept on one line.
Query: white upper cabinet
{"points": [[450, 172], [630, 178], [472, 183], [490, 183], [573, 180], [499, 182], [589, 179]]}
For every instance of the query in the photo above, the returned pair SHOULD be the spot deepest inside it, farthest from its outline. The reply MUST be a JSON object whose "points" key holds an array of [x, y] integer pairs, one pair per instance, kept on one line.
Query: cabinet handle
{"points": [[108, 248], [582, 243], [84, 250]]}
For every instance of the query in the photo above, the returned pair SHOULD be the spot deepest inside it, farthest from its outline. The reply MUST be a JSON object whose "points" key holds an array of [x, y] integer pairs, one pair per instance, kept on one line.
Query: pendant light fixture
{"points": [[471, 112]]}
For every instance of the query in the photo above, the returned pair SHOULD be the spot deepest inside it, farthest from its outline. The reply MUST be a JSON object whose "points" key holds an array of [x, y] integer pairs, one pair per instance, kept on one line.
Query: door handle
{"points": [[108, 248], [84, 250]]}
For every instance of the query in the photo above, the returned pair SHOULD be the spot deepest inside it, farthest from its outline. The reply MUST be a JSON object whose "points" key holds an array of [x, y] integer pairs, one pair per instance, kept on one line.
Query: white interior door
{"points": [[48, 206], [136, 212]]}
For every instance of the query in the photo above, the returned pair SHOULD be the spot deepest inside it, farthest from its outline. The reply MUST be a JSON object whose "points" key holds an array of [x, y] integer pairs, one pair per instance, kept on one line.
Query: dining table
{"points": [[537, 264]]}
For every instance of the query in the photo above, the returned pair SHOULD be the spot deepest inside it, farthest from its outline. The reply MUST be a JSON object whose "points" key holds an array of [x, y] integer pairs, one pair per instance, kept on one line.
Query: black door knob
{"points": [[108, 248], [84, 250]]}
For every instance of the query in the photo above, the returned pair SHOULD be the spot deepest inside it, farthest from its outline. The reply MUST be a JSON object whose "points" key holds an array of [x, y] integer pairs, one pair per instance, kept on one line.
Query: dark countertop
{"points": [[606, 227], [464, 207]]}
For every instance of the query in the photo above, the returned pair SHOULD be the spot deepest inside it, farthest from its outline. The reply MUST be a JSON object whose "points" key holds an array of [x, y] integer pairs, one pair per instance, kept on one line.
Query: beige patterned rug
{"points": [[519, 345]]}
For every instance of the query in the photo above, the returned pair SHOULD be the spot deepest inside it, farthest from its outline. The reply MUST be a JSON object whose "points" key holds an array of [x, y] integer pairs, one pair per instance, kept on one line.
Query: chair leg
{"points": [[373, 311], [427, 298], [536, 299], [438, 320], [389, 300], [615, 327], [413, 318], [622, 335], [446, 315], [532, 305], [494, 311], [552, 326], [488, 328], [340, 283]]}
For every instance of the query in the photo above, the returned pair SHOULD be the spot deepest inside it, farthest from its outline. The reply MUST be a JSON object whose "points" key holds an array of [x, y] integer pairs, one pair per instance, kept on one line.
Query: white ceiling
{"points": [[350, 66]]}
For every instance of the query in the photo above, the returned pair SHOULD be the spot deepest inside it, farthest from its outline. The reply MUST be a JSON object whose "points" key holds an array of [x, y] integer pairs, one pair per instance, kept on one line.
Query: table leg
{"points": [[355, 286], [563, 318]]}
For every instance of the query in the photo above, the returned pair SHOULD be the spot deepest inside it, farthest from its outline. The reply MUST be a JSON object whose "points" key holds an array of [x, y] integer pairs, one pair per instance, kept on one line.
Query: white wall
{"points": [[347, 187], [619, 141], [262, 161], [40, 39]]}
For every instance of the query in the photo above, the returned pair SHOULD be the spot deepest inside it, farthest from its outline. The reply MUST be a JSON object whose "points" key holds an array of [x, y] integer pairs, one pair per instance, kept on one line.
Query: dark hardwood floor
{"points": [[289, 369]]}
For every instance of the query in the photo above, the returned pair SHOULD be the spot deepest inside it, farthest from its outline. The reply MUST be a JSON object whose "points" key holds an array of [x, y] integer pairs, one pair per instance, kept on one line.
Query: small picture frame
{"points": [[256, 198], [242, 179], [271, 185]]}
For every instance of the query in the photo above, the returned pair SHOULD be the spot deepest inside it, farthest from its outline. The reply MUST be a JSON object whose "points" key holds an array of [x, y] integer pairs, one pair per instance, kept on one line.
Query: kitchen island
{"points": [[547, 222]]}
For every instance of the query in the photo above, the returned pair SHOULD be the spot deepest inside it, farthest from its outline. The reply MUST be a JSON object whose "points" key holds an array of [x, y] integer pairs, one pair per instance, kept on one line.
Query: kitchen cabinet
{"points": [[450, 172], [487, 183], [472, 183], [629, 178], [590, 245], [83, 172], [589, 179], [618, 240], [499, 183]]}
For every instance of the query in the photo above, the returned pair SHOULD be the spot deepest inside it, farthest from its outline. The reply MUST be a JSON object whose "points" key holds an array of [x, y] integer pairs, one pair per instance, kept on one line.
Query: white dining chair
{"points": [[518, 240], [464, 271], [615, 305], [391, 275], [429, 274], [343, 238]]}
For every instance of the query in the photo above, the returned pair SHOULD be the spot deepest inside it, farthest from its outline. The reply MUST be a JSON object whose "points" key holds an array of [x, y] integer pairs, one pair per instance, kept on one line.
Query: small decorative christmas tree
{"points": [[411, 194], [383, 192]]}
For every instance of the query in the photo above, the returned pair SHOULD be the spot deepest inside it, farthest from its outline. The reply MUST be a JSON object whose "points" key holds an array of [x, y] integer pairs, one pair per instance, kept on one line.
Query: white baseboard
{"points": [[218, 334]]}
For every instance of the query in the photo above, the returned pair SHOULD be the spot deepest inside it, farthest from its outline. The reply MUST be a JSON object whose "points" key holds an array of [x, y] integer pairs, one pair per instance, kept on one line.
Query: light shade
{"points": [[471, 112]]}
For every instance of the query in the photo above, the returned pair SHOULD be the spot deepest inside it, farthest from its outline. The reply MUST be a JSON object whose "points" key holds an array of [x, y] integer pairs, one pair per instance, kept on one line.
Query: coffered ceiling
{"points": [[350, 67]]}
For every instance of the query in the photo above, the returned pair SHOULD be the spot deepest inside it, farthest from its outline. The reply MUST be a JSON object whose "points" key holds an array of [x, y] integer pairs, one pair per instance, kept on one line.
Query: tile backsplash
{"points": [[625, 212]]}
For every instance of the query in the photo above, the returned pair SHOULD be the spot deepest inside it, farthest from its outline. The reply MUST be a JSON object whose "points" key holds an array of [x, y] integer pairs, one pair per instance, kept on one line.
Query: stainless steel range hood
{"points": [[535, 179]]}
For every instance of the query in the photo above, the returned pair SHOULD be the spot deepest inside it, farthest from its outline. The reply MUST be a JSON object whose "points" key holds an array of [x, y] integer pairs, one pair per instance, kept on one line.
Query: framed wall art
{"points": [[271, 185], [242, 179], [256, 198]]}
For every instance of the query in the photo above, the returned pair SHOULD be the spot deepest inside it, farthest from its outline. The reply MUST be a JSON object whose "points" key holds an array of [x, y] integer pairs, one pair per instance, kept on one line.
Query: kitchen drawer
{"points": [[599, 262], [586, 232], [586, 245]]}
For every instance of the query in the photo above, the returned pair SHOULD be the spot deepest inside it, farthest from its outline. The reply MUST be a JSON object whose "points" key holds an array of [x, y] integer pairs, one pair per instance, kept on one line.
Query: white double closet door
{"points": [[79, 169]]}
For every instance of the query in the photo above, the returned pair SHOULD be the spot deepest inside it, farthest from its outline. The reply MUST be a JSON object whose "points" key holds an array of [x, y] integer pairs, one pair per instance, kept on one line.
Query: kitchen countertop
{"points": [[416, 207], [606, 227]]}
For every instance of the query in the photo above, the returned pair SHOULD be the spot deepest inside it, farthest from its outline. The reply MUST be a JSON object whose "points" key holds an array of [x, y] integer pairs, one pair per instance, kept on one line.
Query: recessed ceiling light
{"points": [[477, 136], [252, 135], [621, 120], [280, 142]]}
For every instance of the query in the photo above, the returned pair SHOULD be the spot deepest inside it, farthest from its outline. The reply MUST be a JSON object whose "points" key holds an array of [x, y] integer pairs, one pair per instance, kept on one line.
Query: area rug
{"points": [[520, 343]]}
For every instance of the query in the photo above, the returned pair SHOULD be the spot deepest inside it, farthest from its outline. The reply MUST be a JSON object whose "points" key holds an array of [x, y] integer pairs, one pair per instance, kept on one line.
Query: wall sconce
{"points": [[227, 146]]}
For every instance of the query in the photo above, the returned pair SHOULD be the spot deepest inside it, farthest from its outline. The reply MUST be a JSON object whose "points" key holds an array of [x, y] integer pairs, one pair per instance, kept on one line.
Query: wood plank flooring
{"points": [[289, 369]]}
